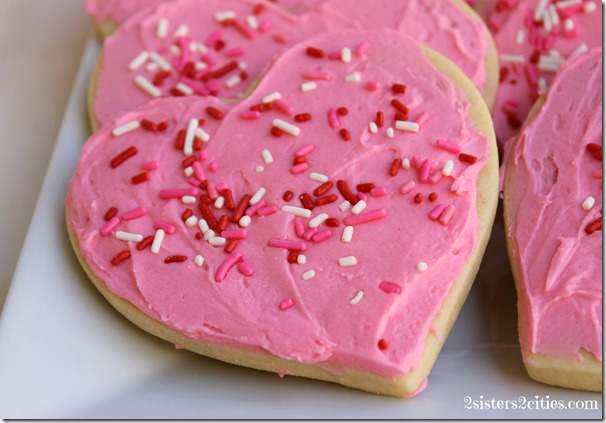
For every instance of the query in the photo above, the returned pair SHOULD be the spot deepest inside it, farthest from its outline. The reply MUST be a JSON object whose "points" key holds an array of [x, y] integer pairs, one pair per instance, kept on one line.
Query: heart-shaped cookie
{"points": [[328, 226]]}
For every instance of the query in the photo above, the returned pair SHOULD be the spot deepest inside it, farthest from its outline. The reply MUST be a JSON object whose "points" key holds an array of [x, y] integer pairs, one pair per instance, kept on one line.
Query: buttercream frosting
{"points": [[344, 285], [553, 197]]}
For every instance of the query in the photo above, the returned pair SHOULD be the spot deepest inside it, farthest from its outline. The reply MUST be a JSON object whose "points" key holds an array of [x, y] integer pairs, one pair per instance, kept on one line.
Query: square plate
{"points": [[65, 353]]}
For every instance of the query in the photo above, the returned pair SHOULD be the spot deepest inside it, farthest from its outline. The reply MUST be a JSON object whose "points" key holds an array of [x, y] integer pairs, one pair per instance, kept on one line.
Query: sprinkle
{"points": [[111, 212], [422, 119], [188, 144], [120, 257], [250, 114], [365, 217], [166, 194], [160, 61], [127, 127], [382, 344], [271, 97], [405, 164], [596, 225], [308, 86], [287, 244], [128, 236], [333, 120], [362, 48], [252, 22], [166, 227], [353, 78], [421, 267], [299, 168], [432, 197], [589, 7], [181, 31], [209, 234], [588, 203], [512, 58], [145, 242], [345, 135], [390, 132], [109, 226], [308, 275], [297, 211], [301, 259], [373, 128], [348, 261], [283, 106], [186, 90], [245, 269], [345, 205], [448, 167], [318, 220], [447, 215], [257, 196], [437, 212], [134, 214], [286, 304], [140, 178], [418, 198], [395, 166], [191, 221], [398, 88], [359, 207], [407, 126], [233, 81], [199, 260], [372, 86], [448, 146], [315, 52], [259, 169], [138, 61], [345, 192], [188, 199], [147, 86], [467, 158], [357, 298], [424, 171], [346, 55], [317, 76], [390, 288], [407, 187], [347, 234], [217, 241], [286, 127], [157, 243], [162, 28]]}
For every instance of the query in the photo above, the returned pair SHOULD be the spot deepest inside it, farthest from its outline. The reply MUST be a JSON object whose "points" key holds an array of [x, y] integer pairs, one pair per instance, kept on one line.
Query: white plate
{"points": [[66, 353]]}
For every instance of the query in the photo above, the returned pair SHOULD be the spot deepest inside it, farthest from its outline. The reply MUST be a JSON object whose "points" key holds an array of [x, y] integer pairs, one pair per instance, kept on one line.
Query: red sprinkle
{"points": [[302, 117], [160, 77], [320, 201], [149, 125], [145, 242], [186, 214], [395, 166], [332, 222], [467, 158], [223, 222], [298, 160], [433, 197], [240, 208], [188, 161], [596, 225], [315, 52], [111, 212], [399, 106], [120, 257], [306, 201], [258, 9], [175, 259], [230, 246], [214, 112], [346, 193], [292, 256], [365, 187], [418, 198], [180, 141], [229, 199], [345, 134], [122, 157], [262, 107], [323, 189], [287, 196], [276, 132], [222, 71], [382, 344], [205, 198], [380, 119], [140, 178], [342, 111], [398, 88], [208, 215]]}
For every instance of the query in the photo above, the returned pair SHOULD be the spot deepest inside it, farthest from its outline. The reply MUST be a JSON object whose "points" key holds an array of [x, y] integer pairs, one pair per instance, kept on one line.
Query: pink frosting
{"points": [[250, 49], [521, 41], [442, 25], [369, 303], [550, 174]]}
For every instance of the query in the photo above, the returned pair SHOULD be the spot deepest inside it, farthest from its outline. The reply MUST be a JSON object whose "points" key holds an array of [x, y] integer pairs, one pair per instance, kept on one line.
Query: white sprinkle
{"points": [[244, 221], [297, 211], [344, 206], [405, 164], [202, 134], [546, 66], [242, 65], [589, 7], [346, 55], [318, 177], [301, 259], [271, 97], [138, 61], [582, 48], [224, 16], [127, 127], [512, 58], [308, 86], [390, 132], [520, 37], [128, 236], [347, 235], [266, 156], [308, 275], [188, 199], [233, 81], [191, 221], [157, 243], [164, 65], [540, 10], [162, 28], [203, 225], [174, 49], [318, 220], [188, 144], [200, 66], [565, 3], [547, 25], [286, 127], [188, 171], [209, 234], [554, 53], [553, 16], [353, 78], [355, 300], [407, 126], [568, 24], [542, 85], [259, 168], [219, 202], [152, 67], [421, 267], [185, 89], [198, 47], [588, 203], [181, 31], [348, 261], [447, 169], [258, 196], [373, 128], [199, 260], [252, 22], [147, 86], [217, 241], [358, 207]]}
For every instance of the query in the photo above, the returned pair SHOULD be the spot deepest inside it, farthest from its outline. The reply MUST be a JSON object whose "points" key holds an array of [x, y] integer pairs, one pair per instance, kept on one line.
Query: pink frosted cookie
{"points": [[533, 38], [553, 217], [181, 48], [328, 226], [450, 27]]}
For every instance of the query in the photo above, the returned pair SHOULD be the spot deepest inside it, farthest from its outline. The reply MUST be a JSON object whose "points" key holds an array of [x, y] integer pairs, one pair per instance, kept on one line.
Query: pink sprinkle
{"points": [[245, 30], [213, 38], [407, 187], [178, 193], [361, 49], [435, 177], [306, 149], [184, 46], [213, 193], [135, 213], [203, 155], [267, 210], [356, 219], [253, 209], [245, 269], [234, 234], [109, 226], [333, 120], [227, 264], [235, 52], [151, 165], [334, 55], [250, 114], [196, 86], [287, 244], [422, 119], [166, 227], [222, 186], [283, 106], [299, 228], [286, 304], [322, 235], [390, 288], [309, 234], [424, 171], [362, 196], [264, 26], [372, 86], [447, 215], [198, 170], [437, 212], [299, 168], [448, 146], [192, 180], [213, 166], [378, 192], [317, 76], [531, 74], [416, 162]]}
